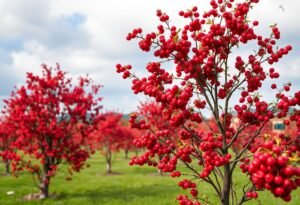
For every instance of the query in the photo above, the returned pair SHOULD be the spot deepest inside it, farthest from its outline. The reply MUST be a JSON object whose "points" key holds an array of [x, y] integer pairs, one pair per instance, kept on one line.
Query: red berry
{"points": [[194, 192]]}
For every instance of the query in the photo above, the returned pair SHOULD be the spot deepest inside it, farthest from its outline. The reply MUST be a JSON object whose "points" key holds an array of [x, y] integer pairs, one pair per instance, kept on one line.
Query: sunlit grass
{"points": [[132, 185]]}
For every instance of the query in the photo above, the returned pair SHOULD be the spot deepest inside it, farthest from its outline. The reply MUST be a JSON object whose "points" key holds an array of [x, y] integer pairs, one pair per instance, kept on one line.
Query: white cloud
{"points": [[98, 42], [22, 18], [281, 12]]}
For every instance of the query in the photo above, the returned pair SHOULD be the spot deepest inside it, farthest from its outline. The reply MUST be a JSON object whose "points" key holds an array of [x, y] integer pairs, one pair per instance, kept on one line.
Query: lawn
{"points": [[133, 185]]}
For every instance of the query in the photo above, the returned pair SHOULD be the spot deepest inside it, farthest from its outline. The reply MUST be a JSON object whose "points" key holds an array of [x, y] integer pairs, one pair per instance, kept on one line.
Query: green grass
{"points": [[134, 186]]}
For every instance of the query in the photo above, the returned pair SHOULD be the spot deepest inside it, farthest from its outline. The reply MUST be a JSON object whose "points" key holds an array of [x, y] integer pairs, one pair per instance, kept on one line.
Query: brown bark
{"points": [[45, 182], [108, 156], [160, 172], [7, 166], [126, 153], [44, 186], [226, 190]]}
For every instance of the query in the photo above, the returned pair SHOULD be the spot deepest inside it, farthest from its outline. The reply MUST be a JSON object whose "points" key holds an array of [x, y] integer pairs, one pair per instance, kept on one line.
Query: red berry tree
{"points": [[110, 136], [7, 136], [208, 76], [51, 117], [129, 136]]}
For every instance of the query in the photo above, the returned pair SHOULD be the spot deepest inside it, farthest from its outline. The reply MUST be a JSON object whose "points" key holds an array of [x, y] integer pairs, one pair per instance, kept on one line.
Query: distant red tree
{"points": [[130, 135], [46, 115], [7, 136], [111, 136]]}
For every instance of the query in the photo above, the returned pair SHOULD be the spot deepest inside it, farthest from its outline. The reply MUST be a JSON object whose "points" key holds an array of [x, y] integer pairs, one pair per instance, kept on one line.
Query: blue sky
{"points": [[89, 37]]}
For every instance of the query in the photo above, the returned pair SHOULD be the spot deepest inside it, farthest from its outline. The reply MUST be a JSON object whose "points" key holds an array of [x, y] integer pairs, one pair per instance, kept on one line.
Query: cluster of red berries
{"points": [[175, 174], [252, 194], [139, 124], [190, 13], [145, 44], [168, 165], [154, 147], [272, 169], [134, 33], [209, 166], [188, 184], [162, 16], [184, 200], [124, 70]]}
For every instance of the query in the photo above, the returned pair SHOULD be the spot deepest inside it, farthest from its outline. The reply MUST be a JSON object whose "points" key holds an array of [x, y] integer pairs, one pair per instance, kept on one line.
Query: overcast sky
{"points": [[88, 36]]}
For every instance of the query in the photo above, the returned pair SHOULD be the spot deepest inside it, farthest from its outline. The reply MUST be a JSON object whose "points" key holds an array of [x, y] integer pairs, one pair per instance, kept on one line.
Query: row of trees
{"points": [[52, 120], [49, 121]]}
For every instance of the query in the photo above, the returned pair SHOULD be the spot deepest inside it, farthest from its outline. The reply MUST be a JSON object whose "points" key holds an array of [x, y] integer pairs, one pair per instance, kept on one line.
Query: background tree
{"points": [[7, 136], [110, 136], [46, 114], [208, 75], [129, 136]]}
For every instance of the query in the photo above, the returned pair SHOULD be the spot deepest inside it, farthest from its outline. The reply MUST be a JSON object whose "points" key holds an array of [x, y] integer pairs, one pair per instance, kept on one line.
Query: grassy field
{"points": [[133, 185]]}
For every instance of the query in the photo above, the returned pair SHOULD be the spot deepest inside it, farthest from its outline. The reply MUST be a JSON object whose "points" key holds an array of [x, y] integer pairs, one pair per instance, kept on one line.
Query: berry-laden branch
{"points": [[209, 75]]}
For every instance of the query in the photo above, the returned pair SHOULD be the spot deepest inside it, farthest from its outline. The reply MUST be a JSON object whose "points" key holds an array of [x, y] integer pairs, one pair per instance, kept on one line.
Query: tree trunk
{"points": [[126, 153], [7, 165], [44, 186], [160, 172], [108, 161], [226, 190]]}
